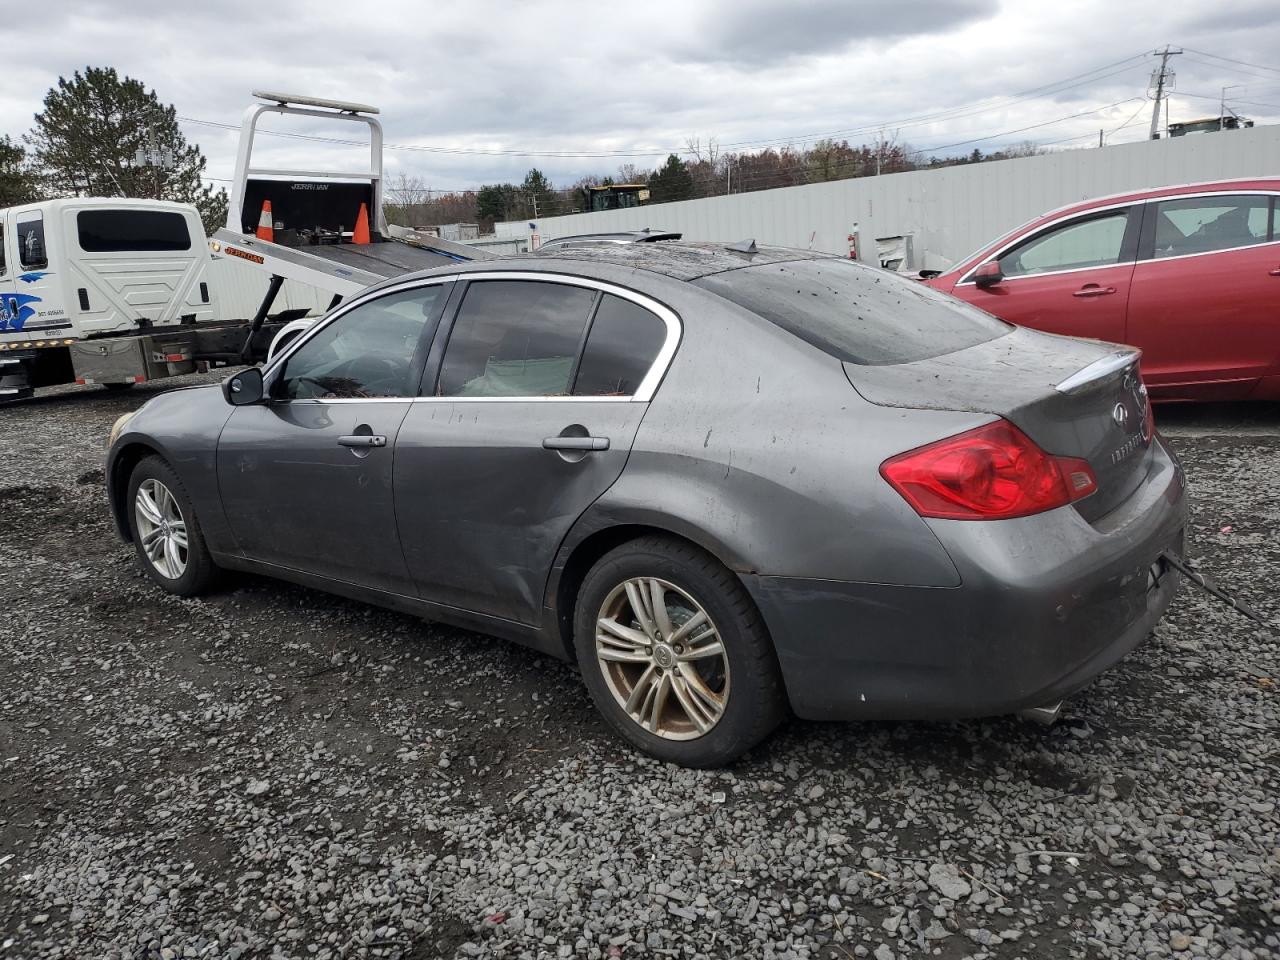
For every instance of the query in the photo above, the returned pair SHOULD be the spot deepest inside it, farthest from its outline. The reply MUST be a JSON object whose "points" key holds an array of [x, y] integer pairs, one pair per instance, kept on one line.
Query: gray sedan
{"points": [[730, 482]]}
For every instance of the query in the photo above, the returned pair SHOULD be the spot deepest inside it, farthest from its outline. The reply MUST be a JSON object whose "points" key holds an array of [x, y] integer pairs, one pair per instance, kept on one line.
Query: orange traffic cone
{"points": [[265, 229], [361, 232]]}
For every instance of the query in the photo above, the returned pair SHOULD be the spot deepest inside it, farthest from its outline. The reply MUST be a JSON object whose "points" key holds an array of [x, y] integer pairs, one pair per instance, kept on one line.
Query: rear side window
{"points": [[118, 231], [857, 313], [31, 249], [623, 344], [515, 338], [1205, 224]]}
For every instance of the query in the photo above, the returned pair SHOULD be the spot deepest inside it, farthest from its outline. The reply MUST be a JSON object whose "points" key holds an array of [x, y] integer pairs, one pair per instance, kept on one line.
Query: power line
{"points": [[954, 113], [1033, 126], [969, 109], [1243, 63]]}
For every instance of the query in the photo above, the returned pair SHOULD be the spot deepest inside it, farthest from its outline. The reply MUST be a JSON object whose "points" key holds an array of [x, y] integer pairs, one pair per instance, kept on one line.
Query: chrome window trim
{"points": [[657, 370], [968, 278], [644, 392], [1210, 253]]}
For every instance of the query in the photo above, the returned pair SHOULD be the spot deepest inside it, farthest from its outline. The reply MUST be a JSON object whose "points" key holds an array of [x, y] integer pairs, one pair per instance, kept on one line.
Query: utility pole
{"points": [[1222, 104], [1161, 79]]}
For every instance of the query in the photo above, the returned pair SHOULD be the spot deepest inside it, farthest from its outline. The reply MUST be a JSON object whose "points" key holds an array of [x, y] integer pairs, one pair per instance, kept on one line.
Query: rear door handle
{"points": [[362, 440], [1093, 290], [1275, 272], [575, 443]]}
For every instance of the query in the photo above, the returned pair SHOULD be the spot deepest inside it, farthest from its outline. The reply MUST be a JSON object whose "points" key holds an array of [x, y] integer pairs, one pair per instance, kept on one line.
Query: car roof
{"points": [[1174, 190], [676, 259]]}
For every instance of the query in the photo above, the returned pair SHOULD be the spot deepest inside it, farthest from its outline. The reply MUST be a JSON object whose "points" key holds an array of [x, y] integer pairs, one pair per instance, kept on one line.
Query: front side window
{"points": [[515, 338], [112, 231], [1084, 243], [623, 344], [367, 352], [3, 240], [1205, 224], [31, 249]]}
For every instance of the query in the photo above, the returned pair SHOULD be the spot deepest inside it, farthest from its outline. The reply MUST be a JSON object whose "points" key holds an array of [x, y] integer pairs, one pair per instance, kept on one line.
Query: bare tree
{"points": [[406, 200], [630, 173]]}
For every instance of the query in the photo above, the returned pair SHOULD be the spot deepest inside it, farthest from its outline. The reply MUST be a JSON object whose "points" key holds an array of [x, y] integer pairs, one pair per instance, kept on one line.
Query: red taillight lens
{"points": [[995, 472]]}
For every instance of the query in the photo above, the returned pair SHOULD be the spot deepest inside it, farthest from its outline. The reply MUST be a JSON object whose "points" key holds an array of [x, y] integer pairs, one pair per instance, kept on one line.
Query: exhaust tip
{"points": [[1046, 716]]}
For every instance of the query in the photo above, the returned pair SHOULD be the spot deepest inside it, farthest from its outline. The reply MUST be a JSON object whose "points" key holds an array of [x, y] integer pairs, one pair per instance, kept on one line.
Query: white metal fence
{"points": [[948, 213]]}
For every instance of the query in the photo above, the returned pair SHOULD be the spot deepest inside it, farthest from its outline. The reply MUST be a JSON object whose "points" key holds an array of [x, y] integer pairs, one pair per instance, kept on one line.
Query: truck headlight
{"points": [[117, 428]]}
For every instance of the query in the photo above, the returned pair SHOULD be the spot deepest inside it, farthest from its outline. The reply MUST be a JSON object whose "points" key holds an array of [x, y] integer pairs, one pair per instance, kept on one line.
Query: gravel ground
{"points": [[272, 772]]}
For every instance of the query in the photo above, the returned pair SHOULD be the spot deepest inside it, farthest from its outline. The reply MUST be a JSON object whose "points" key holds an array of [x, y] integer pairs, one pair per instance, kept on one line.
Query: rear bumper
{"points": [[1046, 603]]}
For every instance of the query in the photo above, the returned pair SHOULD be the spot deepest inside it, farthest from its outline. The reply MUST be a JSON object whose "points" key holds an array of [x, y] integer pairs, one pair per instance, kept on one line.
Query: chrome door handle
{"points": [[1275, 272], [1093, 290], [575, 443], [362, 440]]}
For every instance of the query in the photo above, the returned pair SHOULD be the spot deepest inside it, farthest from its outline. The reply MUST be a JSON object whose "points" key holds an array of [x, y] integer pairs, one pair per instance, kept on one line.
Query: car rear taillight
{"points": [[995, 472], [1149, 424]]}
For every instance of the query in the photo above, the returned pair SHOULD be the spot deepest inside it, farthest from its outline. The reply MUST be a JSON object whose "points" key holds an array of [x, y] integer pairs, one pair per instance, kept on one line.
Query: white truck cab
{"points": [[87, 283], [84, 267]]}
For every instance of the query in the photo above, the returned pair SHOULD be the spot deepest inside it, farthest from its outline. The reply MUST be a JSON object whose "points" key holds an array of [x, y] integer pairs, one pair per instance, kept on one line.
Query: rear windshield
{"points": [[857, 313], [113, 231]]}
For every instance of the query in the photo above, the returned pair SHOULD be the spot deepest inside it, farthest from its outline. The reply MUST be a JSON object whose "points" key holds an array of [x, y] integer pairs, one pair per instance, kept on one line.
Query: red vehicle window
{"points": [[1095, 242], [1205, 224]]}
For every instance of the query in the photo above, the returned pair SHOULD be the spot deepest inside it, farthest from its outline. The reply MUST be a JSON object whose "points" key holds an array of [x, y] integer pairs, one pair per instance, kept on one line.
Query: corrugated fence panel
{"points": [[949, 212]]}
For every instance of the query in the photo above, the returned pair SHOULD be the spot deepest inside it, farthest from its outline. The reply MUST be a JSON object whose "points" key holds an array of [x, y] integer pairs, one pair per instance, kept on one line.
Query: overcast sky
{"points": [[492, 82]]}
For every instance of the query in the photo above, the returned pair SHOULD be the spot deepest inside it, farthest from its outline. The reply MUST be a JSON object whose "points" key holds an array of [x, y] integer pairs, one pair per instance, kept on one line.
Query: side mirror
{"points": [[988, 275], [244, 388]]}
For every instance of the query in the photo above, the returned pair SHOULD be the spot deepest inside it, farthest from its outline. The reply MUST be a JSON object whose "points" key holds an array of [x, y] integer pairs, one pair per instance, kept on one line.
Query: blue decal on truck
{"points": [[15, 310], [33, 276]]}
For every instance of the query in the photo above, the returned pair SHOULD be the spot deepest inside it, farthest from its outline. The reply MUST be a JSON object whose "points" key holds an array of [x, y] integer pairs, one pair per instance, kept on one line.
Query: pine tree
{"points": [[18, 180], [672, 181], [86, 142]]}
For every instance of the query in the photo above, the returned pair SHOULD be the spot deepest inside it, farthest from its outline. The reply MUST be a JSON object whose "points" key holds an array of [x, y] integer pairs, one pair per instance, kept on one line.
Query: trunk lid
{"points": [[1074, 398]]}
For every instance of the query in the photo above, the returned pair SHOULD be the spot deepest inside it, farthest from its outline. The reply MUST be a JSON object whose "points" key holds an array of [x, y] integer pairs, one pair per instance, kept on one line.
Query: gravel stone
{"points": [[256, 774]]}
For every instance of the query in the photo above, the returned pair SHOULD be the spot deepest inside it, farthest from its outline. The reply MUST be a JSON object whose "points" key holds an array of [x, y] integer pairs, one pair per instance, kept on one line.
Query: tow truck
{"points": [[116, 291]]}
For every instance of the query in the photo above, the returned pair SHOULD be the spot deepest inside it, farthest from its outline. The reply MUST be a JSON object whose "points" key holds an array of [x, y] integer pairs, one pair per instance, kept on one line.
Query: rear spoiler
{"points": [[1100, 369]]}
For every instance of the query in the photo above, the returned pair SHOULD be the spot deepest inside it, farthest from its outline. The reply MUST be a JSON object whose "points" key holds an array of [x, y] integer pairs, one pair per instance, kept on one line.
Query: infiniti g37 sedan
{"points": [[728, 482]]}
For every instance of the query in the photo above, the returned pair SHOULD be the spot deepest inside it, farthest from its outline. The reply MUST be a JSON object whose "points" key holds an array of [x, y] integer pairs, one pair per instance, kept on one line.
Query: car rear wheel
{"points": [[166, 533], [675, 655]]}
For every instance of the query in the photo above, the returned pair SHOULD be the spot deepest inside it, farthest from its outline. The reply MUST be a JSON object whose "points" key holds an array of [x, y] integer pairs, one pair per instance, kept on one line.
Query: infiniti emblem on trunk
{"points": [[1120, 414]]}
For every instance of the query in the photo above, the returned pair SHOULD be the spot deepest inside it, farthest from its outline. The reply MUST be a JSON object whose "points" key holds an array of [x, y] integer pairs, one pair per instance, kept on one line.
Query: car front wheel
{"points": [[675, 655], [166, 532]]}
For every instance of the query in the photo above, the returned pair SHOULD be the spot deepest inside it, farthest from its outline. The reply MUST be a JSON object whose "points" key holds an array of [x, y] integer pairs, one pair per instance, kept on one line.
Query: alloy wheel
{"points": [[662, 658], [162, 530]]}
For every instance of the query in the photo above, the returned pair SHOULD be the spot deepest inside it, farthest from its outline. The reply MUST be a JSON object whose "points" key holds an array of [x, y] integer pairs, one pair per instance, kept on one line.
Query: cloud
{"points": [[605, 79], [761, 32]]}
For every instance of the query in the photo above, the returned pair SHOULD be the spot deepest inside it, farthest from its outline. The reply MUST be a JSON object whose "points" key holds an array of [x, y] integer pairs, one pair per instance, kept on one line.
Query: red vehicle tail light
{"points": [[995, 472]]}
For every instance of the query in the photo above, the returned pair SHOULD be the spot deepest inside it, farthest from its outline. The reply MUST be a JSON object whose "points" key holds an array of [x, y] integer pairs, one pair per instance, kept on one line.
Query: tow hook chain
{"points": [[1207, 584]]}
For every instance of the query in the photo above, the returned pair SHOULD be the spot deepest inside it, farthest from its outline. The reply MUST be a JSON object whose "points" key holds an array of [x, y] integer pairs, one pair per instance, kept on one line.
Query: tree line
{"points": [[100, 134], [703, 171]]}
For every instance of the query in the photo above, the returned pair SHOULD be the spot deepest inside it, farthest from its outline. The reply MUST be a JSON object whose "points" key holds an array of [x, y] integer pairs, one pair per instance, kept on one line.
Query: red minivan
{"points": [[1189, 274]]}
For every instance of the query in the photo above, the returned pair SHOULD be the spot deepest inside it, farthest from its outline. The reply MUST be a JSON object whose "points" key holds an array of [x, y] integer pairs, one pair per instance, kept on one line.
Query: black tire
{"points": [[755, 701], [200, 572], [119, 387]]}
